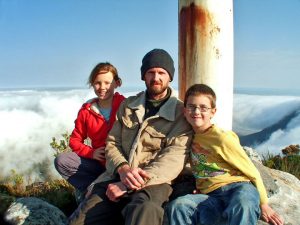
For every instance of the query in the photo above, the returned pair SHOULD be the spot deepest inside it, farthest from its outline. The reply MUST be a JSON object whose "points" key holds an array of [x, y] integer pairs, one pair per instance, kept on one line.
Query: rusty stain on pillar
{"points": [[206, 51]]}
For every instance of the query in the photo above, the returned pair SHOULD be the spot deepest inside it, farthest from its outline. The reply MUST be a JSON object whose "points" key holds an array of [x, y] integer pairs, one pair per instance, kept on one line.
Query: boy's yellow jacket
{"points": [[222, 161]]}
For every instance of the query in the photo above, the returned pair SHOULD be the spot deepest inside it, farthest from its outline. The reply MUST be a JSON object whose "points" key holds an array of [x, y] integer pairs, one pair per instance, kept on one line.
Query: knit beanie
{"points": [[158, 58]]}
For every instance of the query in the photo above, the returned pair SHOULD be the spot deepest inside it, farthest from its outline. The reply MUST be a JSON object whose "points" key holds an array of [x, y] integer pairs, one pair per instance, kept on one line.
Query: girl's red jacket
{"points": [[90, 124]]}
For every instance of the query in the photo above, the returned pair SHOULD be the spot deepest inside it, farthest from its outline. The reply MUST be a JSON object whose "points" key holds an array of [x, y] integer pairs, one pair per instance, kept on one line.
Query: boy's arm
{"points": [[235, 155]]}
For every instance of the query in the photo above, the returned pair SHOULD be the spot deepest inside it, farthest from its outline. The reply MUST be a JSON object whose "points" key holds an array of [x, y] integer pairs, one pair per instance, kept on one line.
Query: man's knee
{"points": [[141, 213], [97, 209], [148, 206]]}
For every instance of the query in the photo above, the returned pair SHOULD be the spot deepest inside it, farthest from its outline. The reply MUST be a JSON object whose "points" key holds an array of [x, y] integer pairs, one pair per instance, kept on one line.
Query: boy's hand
{"points": [[134, 178], [270, 216]]}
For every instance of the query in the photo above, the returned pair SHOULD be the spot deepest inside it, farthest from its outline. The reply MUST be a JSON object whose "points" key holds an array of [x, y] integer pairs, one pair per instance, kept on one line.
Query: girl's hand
{"points": [[99, 154]]}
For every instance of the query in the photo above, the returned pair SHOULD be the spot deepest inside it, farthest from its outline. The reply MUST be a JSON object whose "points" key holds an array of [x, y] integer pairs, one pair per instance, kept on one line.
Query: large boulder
{"points": [[283, 190], [286, 201], [34, 211]]}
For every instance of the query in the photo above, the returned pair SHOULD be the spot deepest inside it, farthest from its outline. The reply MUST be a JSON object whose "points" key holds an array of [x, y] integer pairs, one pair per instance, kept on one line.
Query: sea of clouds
{"points": [[30, 118], [253, 113]]}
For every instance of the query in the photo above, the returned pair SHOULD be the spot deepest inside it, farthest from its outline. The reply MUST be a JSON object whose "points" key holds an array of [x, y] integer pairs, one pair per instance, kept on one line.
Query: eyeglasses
{"points": [[202, 108]]}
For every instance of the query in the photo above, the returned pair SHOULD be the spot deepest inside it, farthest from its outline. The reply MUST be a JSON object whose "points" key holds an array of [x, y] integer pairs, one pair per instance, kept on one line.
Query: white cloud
{"points": [[28, 123], [30, 119]]}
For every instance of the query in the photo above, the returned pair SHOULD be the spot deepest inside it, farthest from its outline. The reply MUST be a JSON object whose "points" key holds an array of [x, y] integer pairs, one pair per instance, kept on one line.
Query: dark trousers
{"points": [[142, 207]]}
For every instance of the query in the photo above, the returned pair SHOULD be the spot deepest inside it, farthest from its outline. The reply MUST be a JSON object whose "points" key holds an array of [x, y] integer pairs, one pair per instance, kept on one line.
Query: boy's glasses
{"points": [[193, 108]]}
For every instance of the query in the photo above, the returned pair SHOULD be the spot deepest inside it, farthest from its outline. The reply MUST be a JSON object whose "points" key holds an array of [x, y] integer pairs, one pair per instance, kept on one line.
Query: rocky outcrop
{"points": [[283, 190], [286, 201], [33, 211]]}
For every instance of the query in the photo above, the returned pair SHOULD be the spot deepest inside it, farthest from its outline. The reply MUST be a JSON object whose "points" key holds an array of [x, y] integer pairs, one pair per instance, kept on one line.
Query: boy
{"points": [[229, 187]]}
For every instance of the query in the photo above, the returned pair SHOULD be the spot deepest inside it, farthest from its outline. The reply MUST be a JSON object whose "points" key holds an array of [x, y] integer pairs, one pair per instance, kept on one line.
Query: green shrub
{"points": [[289, 162], [62, 145]]}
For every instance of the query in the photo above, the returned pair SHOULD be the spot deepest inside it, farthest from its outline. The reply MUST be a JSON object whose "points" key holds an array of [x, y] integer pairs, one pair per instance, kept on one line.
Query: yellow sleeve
{"points": [[233, 153]]}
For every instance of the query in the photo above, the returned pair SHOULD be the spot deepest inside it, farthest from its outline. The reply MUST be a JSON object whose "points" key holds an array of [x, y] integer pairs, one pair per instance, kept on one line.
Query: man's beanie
{"points": [[158, 58]]}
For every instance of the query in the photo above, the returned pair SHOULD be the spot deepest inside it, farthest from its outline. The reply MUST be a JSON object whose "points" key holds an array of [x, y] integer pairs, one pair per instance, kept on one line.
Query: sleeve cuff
{"points": [[121, 164]]}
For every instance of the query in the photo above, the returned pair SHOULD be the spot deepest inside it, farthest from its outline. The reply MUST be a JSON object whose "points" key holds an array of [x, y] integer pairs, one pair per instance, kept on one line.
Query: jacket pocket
{"points": [[129, 123], [153, 140], [129, 132]]}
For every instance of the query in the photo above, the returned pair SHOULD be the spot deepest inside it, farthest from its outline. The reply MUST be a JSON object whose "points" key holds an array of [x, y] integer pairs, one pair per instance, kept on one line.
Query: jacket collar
{"points": [[167, 111]]}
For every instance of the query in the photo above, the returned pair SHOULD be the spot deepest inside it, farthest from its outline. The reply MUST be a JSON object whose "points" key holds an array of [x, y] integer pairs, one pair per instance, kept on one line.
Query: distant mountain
{"points": [[252, 140]]}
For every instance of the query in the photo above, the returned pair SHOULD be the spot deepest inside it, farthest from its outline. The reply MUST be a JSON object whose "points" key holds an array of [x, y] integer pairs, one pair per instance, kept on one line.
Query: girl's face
{"points": [[198, 112], [104, 86]]}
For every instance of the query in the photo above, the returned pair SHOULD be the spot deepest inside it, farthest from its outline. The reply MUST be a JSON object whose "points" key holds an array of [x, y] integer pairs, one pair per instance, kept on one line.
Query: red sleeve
{"points": [[78, 136]]}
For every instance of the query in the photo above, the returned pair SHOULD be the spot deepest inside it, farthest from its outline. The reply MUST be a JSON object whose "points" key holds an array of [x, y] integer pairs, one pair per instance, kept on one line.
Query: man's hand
{"points": [[99, 154], [270, 216], [115, 191], [133, 178]]}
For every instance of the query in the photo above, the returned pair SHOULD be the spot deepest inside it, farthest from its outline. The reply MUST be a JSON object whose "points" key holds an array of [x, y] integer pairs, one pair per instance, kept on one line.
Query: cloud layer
{"points": [[29, 119]]}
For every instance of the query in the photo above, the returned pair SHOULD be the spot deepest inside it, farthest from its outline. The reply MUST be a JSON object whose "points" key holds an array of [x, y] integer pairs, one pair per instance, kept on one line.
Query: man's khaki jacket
{"points": [[159, 145]]}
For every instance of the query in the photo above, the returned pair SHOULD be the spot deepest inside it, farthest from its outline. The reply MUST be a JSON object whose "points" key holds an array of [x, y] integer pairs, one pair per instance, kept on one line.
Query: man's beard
{"points": [[154, 90]]}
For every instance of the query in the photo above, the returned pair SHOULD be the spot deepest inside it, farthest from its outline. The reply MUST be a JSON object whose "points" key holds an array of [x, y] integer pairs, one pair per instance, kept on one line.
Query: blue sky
{"points": [[55, 43]]}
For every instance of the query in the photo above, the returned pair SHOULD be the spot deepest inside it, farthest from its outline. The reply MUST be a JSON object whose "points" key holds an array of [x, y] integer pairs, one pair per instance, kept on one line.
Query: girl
{"points": [[95, 119]]}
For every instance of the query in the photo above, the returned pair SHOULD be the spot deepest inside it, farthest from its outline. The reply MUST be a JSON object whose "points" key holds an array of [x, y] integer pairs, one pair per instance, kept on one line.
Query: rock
{"points": [[34, 211], [283, 190], [5, 201], [253, 155], [286, 201], [269, 181]]}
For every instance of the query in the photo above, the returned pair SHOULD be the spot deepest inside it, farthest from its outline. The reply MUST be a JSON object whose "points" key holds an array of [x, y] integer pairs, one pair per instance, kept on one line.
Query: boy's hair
{"points": [[104, 67], [201, 89]]}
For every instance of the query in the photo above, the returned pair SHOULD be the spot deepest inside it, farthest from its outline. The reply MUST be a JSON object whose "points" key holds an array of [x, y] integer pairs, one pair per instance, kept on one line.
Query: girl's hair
{"points": [[104, 67], [201, 89]]}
